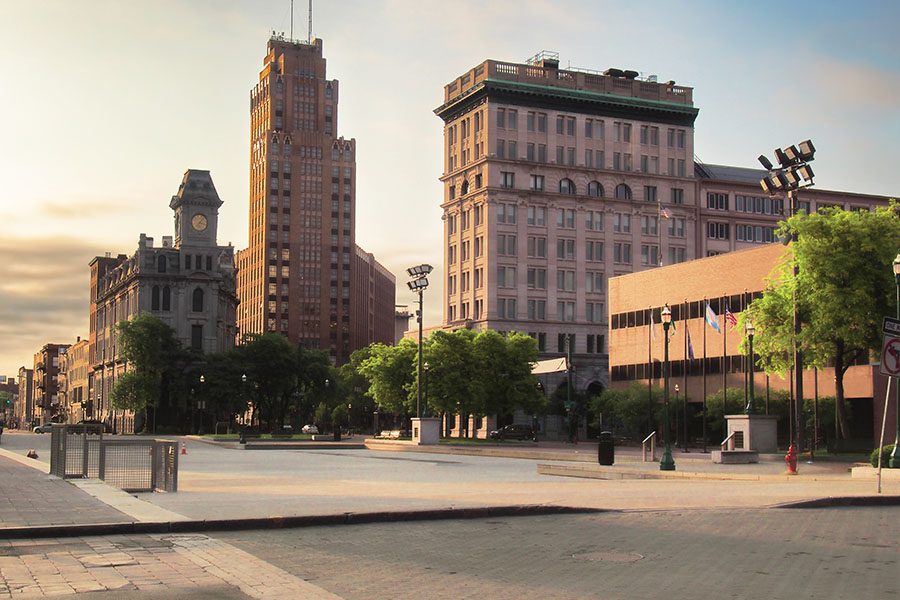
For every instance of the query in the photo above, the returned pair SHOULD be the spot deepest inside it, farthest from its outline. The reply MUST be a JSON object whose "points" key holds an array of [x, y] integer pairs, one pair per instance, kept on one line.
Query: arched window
{"points": [[161, 263], [566, 186], [197, 303], [623, 192], [154, 298], [465, 188], [166, 298], [595, 189]]}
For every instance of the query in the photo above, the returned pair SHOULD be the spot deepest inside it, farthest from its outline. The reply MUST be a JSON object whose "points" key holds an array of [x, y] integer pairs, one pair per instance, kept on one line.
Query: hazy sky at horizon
{"points": [[105, 104]]}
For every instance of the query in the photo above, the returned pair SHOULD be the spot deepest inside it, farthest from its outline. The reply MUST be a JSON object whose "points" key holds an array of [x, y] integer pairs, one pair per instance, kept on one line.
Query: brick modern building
{"points": [[24, 407], [731, 280], [188, 283], [302, 273], [557, 179]]}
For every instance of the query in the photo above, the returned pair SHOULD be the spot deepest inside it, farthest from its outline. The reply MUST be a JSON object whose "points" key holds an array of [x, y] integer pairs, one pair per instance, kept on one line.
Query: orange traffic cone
{"points": [[183, 448]]}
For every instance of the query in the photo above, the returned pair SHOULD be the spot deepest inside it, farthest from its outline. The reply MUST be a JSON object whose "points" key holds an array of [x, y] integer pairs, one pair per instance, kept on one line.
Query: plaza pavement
{"points": [[220, 483]]}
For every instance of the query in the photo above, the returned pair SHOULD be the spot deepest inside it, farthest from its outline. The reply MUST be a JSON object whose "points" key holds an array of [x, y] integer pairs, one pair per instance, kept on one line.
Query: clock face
{"points": [[199, 222]]}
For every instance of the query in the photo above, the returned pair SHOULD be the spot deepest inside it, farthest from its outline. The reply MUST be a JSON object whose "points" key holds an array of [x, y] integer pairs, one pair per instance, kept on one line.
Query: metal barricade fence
{"points": [[132, 464]]}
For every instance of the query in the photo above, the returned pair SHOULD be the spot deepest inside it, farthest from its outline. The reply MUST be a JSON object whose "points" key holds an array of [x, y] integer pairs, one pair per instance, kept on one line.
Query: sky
{"points": [[105, 103]]}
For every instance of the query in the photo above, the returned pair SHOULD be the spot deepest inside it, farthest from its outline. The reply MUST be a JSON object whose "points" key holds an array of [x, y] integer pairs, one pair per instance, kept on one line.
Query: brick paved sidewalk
{"points": [[29, 497]]}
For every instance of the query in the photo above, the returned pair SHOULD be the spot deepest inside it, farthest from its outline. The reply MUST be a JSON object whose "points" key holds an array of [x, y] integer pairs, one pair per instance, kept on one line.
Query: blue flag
{"points": [[690, 345], [712, 319]]}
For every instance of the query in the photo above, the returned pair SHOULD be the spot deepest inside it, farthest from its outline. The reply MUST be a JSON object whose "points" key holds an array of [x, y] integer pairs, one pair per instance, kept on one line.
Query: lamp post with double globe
{"points": [[666, 463]]}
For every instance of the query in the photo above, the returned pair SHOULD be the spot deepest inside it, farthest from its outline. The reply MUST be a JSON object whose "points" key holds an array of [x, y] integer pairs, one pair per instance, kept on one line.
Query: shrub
{"points": [[885, 455]]}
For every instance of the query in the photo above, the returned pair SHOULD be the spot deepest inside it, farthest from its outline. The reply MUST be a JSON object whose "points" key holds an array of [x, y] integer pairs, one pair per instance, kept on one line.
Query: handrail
{"points": [[729, 441], [651, 439]]}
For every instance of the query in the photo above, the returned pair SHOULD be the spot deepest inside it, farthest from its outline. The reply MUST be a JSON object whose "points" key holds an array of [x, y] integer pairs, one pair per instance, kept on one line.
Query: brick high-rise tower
{"points": [[299, 274]]}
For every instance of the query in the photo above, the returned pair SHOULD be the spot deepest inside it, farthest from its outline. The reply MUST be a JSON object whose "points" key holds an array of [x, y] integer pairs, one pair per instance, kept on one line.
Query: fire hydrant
{"points": [[791, 459]]}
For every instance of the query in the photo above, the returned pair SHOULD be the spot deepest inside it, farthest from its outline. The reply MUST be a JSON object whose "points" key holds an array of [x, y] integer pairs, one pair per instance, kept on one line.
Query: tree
{"points": [[451, 365], [844, 288], [150, 349], [271, 362], [626, 408], [390, 371]]}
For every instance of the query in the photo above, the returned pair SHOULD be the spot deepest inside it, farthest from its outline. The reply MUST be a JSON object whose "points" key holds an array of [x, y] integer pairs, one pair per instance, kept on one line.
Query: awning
{"points": [[552, 365]]}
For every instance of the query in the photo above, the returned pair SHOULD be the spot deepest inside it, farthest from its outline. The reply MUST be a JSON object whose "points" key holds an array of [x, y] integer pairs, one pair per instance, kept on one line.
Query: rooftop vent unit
{"points": [[614, 73]]}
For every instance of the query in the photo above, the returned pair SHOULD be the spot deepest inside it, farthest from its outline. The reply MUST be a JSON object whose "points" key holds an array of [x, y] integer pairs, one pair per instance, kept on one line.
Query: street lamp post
{"points": [[751, 406], [666, 463], [894, 461], [243, 437], [201, 404], [419, 283]]}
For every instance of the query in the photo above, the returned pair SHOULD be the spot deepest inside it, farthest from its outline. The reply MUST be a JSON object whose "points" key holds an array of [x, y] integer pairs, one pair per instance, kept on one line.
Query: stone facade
{"points": [[188, 283]]}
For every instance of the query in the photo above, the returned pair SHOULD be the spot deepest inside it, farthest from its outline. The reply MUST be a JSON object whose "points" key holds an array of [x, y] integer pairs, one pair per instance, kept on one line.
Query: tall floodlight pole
{"points": [[418, 284], [792, 174]]}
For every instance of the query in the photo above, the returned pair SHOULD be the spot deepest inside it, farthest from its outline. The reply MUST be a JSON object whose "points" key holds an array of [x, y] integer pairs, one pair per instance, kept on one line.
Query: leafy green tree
{"points": [[626, 407], [151, 351], [357, 389], [322, 416], [391, 372], [844, 288], [271, 361], [451, 365], [503, 373], [312, 370]]}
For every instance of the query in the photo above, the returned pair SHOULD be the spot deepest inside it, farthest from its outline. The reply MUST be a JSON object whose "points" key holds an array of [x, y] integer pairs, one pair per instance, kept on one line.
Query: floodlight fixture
{"points": [[782, 158], [792, 154], [419, 270], [807, 151], [806, 173], [792, 178], [767, 185], [418, 284], [765, 162]]}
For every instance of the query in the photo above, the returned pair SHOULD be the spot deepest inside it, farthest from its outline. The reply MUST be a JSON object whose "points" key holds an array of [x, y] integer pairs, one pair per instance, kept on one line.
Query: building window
{"points": [[537, 279], [676, 227], [595, 189], [197, 337], [565, 311], [197, 300], [622, 223], [507, 179], [649, 225], [537, 215], [593, 282], [161, 264], [622, 253], [565, 249], [593, 220], [676, 255], [716, 201], [506, 244], [537, 183], [154, 298], [623, 192], [565, 217], [166, 298], [565, 280], [537, 310], [717, 231], [593, 312], [537, 247], [593, 251], [677, 196], [566, 186], [501, 118], [506, 308], [506, 277], [650, 193], [512, 120], [506, 213], [649, 254]]}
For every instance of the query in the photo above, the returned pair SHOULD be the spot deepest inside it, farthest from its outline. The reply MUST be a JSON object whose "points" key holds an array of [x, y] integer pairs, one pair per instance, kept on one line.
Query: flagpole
{"points": [[684, 369], [703, 325], [724, 363], [650, 374]]}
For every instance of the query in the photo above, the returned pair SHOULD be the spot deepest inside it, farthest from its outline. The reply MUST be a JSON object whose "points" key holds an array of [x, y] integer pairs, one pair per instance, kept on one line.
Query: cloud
{"points": [[85, 209], [44, 295]]}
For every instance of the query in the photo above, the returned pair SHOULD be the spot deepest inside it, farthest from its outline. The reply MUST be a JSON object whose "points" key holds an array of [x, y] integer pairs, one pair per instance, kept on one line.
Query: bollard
{"points": [[183, 449]]}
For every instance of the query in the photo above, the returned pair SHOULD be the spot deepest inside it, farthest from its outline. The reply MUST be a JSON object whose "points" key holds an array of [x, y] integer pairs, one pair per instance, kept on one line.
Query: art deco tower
{"points": [[302, 273]]}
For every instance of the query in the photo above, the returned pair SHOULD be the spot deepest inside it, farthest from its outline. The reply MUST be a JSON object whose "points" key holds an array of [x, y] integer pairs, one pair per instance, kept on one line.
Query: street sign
{"points": [[890, 326], [890, 356]]}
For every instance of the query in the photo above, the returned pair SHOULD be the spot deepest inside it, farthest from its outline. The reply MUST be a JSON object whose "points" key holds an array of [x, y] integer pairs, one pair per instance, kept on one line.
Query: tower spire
{"points": [[292, 20], [309, 35]]}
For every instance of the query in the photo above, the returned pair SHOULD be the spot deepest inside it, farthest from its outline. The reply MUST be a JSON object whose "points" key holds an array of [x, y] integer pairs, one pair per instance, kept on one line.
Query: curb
{"points": [[613, 473], [839, 501], [198, 526]]}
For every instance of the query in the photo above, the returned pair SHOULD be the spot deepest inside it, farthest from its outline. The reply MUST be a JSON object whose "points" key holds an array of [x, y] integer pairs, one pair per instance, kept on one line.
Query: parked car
{"points": [[310, 429], [514, 432], [45, 428]]}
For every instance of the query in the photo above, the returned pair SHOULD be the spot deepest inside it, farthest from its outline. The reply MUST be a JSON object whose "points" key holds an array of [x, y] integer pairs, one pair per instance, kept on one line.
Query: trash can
{"points": [[606, 452]]}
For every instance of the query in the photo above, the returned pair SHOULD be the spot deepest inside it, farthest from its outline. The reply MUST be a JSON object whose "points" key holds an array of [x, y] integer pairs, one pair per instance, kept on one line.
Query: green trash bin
{"points": [[606, 453]]}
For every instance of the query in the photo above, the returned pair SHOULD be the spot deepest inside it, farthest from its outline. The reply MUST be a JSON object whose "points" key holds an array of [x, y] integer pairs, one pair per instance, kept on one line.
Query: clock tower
{"points": [[196, 207]]}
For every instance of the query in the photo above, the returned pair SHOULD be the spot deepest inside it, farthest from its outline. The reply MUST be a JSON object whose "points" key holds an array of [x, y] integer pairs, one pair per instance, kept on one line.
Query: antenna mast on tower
{"points": [[292, 20], [309, 37]]}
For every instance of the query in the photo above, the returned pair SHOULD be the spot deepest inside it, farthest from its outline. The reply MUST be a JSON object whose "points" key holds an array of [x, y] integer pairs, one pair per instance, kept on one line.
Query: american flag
{"points": [[665, 213], [729, 316]]}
